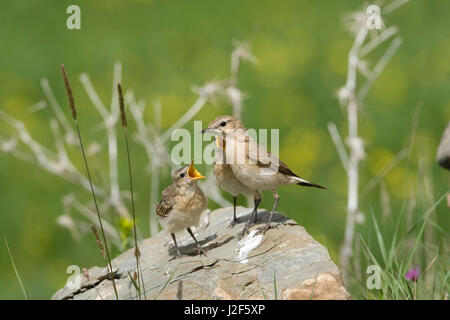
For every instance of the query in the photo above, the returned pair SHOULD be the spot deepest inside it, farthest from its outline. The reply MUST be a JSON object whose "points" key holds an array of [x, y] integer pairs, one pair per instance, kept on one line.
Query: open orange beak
{"points": [[193, 173]]}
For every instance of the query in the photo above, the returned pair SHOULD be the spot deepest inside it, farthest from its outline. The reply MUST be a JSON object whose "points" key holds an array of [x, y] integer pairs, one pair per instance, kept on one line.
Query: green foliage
{"points": [[19, 279], [125, 231], [396, 259]]}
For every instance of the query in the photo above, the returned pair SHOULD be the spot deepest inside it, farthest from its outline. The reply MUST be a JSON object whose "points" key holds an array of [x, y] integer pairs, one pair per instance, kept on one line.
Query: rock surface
{"points": [[443, 152], [231, 269]]}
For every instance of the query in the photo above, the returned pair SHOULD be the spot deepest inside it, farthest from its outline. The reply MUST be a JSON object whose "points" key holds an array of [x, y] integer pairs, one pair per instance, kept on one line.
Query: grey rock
{"points": [[443, 152], [231, 269]]}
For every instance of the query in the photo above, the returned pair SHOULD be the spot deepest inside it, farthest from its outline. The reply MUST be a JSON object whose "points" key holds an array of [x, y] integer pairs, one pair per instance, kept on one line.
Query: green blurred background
{"points": [[168, 46]]}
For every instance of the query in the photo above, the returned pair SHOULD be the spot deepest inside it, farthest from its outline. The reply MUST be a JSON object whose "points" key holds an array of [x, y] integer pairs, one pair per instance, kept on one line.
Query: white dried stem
{"points": [[110, 119], [154, 195], [70, 133], [241, 52], [157, 115], [390, 51], [394, 5], [156, 152], [92, 217], [340, 148], [185, 118], [142, 136], [59, 143], [9, 145], [353, 161], [375, 42], [92, 94], [352, 100], [43, 156], [112, 142]]}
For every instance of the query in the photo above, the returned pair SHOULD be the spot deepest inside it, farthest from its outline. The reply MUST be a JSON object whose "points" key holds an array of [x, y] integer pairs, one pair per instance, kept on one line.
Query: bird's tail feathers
{"points": [[305, 183]]}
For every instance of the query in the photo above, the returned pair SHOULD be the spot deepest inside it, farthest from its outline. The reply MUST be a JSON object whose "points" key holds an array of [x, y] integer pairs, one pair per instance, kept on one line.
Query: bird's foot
{"points": [[243, 232], [233, 223], [179, 254], [264, 229], [201, 251]]}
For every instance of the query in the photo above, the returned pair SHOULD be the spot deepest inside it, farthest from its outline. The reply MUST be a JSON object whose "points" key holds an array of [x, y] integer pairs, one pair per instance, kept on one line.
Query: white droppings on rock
{"points": [[247, 244]]}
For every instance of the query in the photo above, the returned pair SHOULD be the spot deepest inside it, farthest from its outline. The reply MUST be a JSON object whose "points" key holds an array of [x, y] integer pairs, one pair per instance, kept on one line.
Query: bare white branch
{"points": [[92, 93], [340, 148], [375, 42], [349, 98], [70, 133], [185, 118], [394, 5], [390, 51]]}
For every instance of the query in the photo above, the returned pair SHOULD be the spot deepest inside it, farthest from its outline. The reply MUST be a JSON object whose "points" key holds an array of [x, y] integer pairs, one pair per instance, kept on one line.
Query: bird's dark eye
{"points": [[223, 123], [182, 175]]}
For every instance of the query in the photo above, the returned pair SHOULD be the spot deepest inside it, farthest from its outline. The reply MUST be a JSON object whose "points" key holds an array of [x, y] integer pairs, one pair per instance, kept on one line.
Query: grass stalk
{"points": [[74, 116], [88, 278], [137, 252], [165, 284], [275, 295], [25, 293]]}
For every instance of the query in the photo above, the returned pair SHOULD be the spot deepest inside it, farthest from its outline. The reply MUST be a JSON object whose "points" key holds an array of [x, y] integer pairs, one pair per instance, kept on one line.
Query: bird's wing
{"points": [[284, 169], [264, 159], [257, 154], [164, 207]]}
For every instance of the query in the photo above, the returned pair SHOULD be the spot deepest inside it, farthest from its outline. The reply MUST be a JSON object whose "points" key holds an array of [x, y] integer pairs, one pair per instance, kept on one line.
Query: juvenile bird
{"points": [[228, 181], [252, 164], [182, 204]]}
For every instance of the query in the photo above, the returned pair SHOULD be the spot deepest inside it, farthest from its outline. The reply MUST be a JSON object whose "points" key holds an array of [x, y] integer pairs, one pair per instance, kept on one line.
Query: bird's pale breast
{"points": [[228, 181], [188, 205]]}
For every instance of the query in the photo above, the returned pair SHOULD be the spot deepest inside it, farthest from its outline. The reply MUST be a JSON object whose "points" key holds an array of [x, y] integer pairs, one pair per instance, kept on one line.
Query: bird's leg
{"points": [[257, 200], [235, 220], [253, 216], [244, 230], [176, 245], [277, 197], [199, 247]]}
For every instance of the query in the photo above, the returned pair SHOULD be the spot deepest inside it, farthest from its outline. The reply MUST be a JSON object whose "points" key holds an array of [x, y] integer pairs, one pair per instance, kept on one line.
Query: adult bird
{"points": [[228, 181], [251, 163]]}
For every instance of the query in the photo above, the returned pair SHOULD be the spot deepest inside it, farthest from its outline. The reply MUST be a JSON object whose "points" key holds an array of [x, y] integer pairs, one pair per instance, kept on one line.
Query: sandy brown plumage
{"points": [[182, 203], [251, 163], [227, 180]]}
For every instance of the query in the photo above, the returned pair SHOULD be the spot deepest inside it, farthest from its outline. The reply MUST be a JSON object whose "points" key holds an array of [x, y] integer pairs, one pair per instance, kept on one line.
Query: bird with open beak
{"points": [[182, 204], [228, 181], [251, 163]]}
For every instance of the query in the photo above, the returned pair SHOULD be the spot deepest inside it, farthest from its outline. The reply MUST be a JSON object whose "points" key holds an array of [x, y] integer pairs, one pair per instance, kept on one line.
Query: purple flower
{"points": [[413, 274]]}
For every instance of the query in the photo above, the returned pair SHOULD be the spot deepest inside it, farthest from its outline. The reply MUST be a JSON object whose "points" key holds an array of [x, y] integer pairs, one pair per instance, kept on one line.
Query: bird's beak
{"points": [[193, 173], [220, 143], [211, 131]]}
